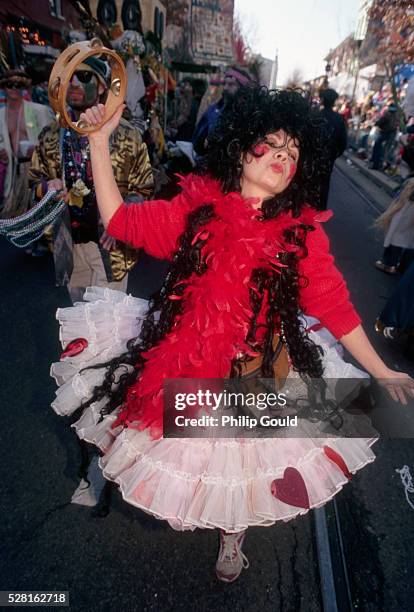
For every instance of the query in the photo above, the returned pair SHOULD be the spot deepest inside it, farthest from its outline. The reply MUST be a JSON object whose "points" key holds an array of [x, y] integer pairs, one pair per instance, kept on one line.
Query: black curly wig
{"points": [[255, 113]]}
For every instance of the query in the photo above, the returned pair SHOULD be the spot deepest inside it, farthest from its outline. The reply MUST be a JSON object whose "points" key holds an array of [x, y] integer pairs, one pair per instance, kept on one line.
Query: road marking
{"points": [[328, 590]]}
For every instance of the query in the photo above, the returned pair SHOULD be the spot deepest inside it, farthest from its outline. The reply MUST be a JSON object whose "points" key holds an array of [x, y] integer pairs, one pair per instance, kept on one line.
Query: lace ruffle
{"points": [[194, 482]]}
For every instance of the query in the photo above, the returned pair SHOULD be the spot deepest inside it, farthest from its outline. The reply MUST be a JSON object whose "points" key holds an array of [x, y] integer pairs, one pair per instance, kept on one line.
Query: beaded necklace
{"points": [[77, 166]]}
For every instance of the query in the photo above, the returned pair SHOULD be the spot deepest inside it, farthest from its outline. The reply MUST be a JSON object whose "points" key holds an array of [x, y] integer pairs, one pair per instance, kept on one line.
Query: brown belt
{"points": [[251, 368]]}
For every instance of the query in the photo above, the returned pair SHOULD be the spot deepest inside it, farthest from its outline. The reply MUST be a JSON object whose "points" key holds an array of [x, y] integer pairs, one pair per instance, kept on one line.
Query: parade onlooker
{"points": [[397, 318], [20, 124], [234, 78], [338, 138], [385, 139], [187, 107], [211, 96], [346, 112], [398, 223], [83, 253], [408, 104], [365, 127]]}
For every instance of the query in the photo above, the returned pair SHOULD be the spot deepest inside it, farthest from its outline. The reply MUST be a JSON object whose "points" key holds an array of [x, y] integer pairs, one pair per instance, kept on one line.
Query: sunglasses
{"points": [[84, 76], [14, 85]]}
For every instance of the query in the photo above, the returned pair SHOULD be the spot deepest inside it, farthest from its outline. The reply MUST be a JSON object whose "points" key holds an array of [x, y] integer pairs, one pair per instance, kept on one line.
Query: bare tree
{"points": [[243, 47], [240, 43], [392, 22]]}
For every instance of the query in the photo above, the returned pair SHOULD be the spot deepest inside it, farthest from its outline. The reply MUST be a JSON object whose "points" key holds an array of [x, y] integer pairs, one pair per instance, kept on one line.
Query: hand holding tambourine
{"points": [[67, 64], [95, 119]]}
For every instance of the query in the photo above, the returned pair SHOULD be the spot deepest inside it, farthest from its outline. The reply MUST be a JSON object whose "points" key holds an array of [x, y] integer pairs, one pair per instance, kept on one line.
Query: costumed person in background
{"points": [[84, 254], [398, 224], [337, 142], [211, 95], [234, 78], [249, 255], [20, 124], [187, 106]]}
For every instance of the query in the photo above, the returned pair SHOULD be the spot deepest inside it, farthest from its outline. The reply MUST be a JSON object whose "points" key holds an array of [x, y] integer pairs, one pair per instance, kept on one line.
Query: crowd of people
{"points": [[377, 126]]}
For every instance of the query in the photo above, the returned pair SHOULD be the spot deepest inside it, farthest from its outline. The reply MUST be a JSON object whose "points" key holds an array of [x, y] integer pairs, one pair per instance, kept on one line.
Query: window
{"points": [[156, 18], [158, 23], [106, 12], [55, 8]]}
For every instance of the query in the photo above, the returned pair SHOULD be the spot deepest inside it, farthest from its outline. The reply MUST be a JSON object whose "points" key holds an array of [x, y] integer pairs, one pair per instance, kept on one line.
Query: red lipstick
{"points": [[277, 167]]}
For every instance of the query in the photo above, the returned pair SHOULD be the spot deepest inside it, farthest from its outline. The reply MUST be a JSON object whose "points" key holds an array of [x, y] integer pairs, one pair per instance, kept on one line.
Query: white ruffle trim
{"points": [[206, 483]]}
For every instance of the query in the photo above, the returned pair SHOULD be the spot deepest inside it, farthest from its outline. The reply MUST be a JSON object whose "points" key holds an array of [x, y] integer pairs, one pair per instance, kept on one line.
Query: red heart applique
{"points": [[336, 458], [291, 489], [74, 347]]}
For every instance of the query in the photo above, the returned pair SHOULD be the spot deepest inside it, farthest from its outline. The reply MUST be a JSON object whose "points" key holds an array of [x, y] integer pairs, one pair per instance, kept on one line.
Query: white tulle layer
{"points": [[192, 483]]}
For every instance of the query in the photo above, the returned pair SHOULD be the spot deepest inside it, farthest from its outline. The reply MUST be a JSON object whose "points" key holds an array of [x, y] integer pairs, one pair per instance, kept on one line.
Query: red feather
{"points": [[216, 309]]}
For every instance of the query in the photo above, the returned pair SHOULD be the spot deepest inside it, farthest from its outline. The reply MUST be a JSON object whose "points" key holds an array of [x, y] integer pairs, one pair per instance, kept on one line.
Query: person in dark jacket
{"points": [[397, 317], [385, 140], [187, 108], [338, 138]]}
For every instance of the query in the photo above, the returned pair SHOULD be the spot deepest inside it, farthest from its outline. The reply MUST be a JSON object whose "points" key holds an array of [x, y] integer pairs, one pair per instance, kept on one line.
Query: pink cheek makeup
{"points": [[292, 171], [259, 150]]}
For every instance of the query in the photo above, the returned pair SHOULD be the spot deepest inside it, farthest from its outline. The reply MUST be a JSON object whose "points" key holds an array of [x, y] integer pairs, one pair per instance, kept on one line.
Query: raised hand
{"points": [[108, 195], [96, 115]]}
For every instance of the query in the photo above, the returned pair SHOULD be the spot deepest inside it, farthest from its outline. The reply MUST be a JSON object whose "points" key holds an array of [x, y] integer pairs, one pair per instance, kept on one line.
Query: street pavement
{"points": [[376, 520], [129, 560]]}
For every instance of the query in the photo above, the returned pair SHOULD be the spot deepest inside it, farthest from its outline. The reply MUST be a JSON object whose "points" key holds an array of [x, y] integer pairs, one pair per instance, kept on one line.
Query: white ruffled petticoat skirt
{"points": [[205, 483]]}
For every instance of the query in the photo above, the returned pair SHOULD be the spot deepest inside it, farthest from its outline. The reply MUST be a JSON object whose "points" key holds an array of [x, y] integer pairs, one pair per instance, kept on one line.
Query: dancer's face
{"points": [[271, 165]]}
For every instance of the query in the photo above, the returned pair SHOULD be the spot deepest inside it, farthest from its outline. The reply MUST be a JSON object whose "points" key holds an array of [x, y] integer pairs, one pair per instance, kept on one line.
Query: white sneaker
{"points": [[392, 333], [231, 560]]}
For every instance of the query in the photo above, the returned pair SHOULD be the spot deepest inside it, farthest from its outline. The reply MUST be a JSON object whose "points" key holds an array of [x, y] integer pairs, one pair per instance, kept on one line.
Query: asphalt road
{"points": [[133, 561], [376, 520]]}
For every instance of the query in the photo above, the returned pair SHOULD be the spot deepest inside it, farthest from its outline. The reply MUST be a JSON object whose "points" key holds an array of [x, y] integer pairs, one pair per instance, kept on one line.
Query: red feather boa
{"points": [[214, 323]]}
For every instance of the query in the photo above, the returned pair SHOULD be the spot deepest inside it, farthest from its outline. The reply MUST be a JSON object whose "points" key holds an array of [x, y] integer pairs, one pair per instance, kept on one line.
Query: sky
{"points": [[303, 31]]}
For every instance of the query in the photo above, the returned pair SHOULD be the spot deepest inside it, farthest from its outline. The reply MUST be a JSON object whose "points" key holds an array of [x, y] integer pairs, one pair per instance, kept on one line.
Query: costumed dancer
{"points": [[248, 254], [83, 252]]}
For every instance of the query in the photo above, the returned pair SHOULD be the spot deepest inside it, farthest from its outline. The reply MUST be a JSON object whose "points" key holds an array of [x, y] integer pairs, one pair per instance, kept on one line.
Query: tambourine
{"points": [[66, 64]]}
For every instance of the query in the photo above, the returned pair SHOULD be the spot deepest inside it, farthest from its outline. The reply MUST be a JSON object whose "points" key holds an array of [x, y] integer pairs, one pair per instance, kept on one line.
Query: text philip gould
{"points": [[206, 401]]}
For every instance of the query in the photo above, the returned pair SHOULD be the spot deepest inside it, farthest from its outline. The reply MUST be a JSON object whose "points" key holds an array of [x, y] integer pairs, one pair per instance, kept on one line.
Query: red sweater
{"points": [[155, 226]]}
